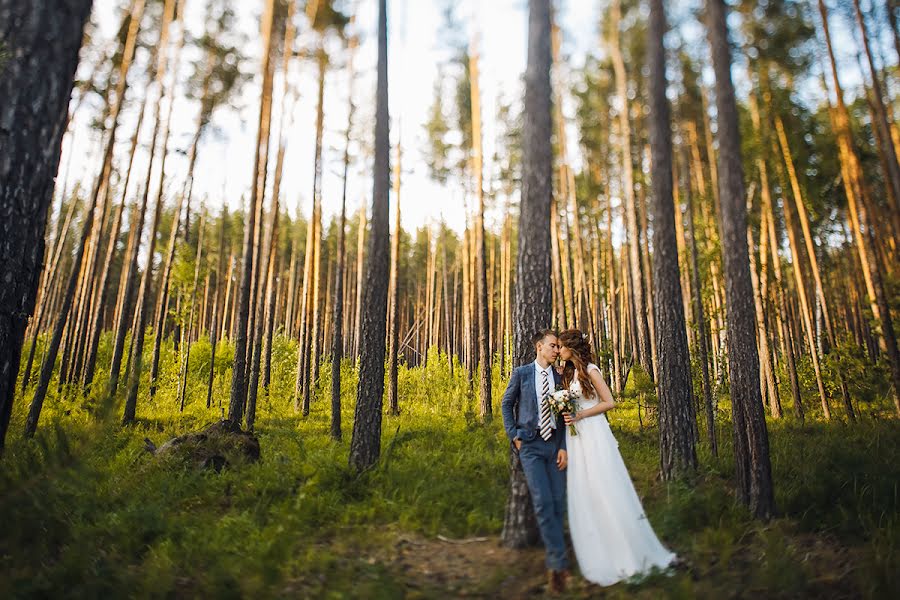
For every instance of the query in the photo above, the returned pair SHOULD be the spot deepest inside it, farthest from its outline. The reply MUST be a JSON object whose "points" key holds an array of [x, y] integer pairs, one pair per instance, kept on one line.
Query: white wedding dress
{"points": [[612, 537]]}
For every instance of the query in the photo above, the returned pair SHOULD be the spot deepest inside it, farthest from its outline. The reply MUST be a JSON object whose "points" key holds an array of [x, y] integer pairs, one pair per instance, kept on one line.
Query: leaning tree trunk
{"points": [[126, 296], [97, 327], [42, 39], [892, 167], [860, 215], [678, 455], [365, 446], [51, 281], [533, 308], [134, 373], [751, 437]]}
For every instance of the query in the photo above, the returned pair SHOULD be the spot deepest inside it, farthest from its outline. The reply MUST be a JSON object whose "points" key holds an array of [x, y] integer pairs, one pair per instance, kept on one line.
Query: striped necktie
{"points": [[546, 429]]}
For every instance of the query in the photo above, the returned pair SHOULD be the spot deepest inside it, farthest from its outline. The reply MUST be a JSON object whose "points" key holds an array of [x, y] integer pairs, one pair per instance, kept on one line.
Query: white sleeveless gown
{"points": [[612, 537]]}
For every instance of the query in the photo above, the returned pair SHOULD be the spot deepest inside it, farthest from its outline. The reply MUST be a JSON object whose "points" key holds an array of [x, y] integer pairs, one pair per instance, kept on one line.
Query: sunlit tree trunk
{"points": [[861, 216], [238, 376], [629, 206], [700, 320], [481, 284], [393, 302]]}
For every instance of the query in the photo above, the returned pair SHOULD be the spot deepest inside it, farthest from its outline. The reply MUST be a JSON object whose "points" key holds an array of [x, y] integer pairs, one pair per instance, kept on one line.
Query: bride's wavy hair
{"points": [[582, 356]]}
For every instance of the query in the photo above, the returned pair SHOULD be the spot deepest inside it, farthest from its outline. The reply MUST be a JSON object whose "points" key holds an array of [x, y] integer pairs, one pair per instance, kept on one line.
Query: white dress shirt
{"points": [[538, 386]]}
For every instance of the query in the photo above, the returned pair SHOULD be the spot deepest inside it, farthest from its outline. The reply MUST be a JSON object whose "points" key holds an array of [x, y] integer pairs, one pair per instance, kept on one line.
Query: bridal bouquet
{"points": [[564, 401]]}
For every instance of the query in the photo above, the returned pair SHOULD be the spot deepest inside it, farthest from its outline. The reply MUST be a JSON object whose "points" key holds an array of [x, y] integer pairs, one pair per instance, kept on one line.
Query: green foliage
{"points": [[88, 512]]}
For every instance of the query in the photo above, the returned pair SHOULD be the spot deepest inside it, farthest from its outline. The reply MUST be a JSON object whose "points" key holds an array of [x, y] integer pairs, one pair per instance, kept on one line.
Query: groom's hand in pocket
{"points": [[562, 460]]}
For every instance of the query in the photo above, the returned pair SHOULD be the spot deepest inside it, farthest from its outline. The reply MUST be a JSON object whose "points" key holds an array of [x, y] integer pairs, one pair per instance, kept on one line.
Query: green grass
{"points": [[87, 512]]}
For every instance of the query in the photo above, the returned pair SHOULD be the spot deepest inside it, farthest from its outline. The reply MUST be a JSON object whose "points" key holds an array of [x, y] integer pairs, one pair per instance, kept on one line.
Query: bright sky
{"points": [[224, 167]]}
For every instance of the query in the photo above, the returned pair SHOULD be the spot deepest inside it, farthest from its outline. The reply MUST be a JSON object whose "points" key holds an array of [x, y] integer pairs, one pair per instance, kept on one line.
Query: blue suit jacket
{"points": [[520, 411]]}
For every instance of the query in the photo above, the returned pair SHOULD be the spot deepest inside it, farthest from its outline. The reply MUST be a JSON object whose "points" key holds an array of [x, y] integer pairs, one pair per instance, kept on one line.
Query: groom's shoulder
{"points": [[522, 369]]}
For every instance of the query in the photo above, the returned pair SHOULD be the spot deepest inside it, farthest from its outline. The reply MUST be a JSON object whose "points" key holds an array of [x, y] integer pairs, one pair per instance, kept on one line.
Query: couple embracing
{"points": [[611, 536]]}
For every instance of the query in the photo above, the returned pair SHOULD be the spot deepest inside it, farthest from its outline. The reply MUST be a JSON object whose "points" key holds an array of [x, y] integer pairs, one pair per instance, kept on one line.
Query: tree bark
{"points": [[751, 437], [629, 206], [365, 446], [393, 301], [533, 294], [337, 342], [700, 319], [678, 455], [481, 284], [238, 374]]}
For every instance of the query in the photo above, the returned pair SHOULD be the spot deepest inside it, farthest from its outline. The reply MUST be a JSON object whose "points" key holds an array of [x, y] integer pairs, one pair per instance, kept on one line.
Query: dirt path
{"points": [[472, 568]]}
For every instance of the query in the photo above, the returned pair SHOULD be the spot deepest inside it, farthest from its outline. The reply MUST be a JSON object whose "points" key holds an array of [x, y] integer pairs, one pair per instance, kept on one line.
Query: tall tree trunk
{"points": [[481, 284], [337, 342], [751, 437], [700, 319], [365, 446], [126, 295], [189, 326], [162, 306], [533, 292], [805, 308], [678, 455], [214, 326], [859, 203], [892, 168], [134, 373], [629, 206], [360, 278], [97, 326], [393, 301], [63, 313], [239, 369]]}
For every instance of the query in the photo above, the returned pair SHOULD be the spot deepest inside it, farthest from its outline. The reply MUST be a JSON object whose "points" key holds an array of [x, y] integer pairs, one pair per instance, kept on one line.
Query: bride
{"points": [[612, 537]]}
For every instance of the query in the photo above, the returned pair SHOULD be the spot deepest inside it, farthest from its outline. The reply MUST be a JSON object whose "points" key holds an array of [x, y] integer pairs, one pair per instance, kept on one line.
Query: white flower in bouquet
{"points": [[562, 402]]}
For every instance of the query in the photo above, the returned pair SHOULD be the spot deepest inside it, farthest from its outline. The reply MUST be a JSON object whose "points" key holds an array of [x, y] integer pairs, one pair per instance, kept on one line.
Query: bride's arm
{"points": [[606, 399]]}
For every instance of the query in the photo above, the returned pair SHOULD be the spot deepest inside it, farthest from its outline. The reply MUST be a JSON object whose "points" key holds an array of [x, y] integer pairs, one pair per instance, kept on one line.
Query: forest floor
{"points": [[88, 512]]}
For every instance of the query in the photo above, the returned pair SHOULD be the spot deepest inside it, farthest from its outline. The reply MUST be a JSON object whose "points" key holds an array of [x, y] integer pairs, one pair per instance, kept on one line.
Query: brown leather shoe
{"points": [[563, 578], [553, 583]]}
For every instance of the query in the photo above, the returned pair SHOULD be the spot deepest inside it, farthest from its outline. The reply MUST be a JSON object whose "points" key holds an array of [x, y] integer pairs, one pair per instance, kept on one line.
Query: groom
{"points": [[540, 441]]}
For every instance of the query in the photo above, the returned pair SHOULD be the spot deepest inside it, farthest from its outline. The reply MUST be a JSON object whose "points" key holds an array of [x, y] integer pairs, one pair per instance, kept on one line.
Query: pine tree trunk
{"points": [[52, 280], [678, 455], [533, 293], [751, 437], [859, 204], [360, 278], [629, 207], [189, 326], [97, 327], [337, 342], [393, 303], [239, 369], [700, 319], [886, 146], [63, 312], [365, 446], [481, 284]]}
